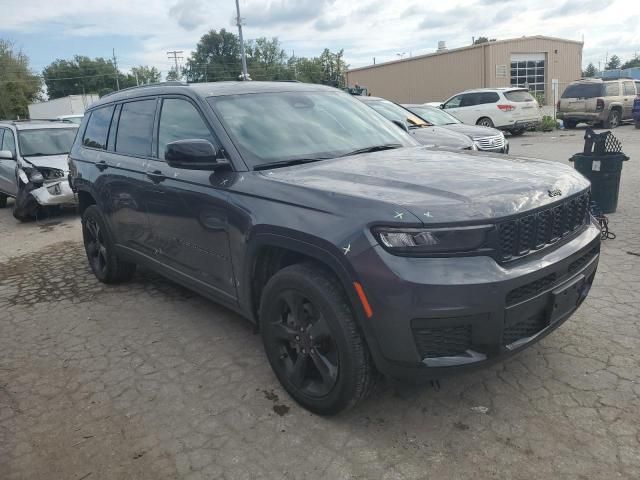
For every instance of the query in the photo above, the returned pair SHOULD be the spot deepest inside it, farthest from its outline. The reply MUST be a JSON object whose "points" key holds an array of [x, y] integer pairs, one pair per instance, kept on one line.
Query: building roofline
{"points": [[466, 47]]}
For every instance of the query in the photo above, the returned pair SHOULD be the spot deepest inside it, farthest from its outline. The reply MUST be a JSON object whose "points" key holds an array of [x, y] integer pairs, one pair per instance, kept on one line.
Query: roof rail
{"points": [[171, 83], [26, 120]]}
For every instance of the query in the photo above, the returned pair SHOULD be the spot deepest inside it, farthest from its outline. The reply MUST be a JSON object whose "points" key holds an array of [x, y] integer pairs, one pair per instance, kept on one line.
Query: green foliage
{"points": [[547, 124], [590, 71], [18, 85], [146, 74], [480, 40], [613, 63], [634, 62], [217, 57]]}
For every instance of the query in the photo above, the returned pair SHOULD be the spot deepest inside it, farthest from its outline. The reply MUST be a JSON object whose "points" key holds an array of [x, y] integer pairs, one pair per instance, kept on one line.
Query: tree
{"points": [[267, 60], [145, 74], [82, 75], [217, 57], [18, 85], [480, 40], [172, 75], [590, 71], [613, 63], [634, 62], [333, 68]]}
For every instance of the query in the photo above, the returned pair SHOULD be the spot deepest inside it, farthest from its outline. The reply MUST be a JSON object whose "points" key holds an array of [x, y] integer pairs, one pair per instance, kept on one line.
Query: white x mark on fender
{"points": [[399, 215], [347, 249], [428, 214]]}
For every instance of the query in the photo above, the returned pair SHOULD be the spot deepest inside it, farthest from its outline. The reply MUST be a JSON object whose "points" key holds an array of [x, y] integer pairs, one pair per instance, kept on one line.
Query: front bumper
{"points": [[54, 193], [435, 316]]}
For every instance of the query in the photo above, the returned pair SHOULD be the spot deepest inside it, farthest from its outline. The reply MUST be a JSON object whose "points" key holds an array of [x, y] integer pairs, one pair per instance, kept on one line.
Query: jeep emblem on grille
{"points": [[555, 193]]}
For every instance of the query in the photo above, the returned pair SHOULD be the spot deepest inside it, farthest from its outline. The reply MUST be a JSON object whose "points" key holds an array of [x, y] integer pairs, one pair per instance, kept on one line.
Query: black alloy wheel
{"points": [[307, 353]]}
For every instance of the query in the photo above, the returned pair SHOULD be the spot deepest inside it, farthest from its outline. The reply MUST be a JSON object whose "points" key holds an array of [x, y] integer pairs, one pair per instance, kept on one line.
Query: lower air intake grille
{"points": [[531, 289], [525, 328], [443, 342]]}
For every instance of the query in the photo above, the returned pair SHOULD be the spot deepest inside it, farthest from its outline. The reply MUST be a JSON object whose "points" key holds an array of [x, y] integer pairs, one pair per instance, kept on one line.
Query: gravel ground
{"points": [[150, 381]]}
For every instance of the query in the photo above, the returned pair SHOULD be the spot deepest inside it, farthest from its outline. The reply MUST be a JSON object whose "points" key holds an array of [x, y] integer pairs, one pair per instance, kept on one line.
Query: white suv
{"points": [[511, 109]]}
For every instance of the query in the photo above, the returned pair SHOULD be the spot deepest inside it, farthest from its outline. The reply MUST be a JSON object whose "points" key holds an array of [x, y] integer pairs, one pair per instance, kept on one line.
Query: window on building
{"points": [[528, 72], [135, 128]]}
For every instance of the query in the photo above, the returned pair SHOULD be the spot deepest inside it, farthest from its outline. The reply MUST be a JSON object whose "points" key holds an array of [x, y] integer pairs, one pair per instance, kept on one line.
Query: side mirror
{"points": [[401, 124], [441, 106], [193, 154], [6, 155]]}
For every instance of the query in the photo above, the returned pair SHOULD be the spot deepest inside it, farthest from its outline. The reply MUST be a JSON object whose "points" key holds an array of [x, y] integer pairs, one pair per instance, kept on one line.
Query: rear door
{"points": [[8, 167], [526, 107], [629, 95], [188, 210], [581, 97]]}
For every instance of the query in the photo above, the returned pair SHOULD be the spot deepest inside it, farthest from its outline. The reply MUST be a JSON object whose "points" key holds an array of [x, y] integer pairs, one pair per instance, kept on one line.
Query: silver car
{"points": [[33, 165], [486, 139]]}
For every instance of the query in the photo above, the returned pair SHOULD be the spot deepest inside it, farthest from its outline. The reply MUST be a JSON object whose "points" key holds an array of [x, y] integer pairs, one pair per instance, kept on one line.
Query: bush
{"points": [[547, 124]]}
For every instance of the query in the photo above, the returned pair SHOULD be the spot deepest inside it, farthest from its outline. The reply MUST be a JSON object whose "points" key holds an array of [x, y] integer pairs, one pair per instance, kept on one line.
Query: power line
{"points": [[175, 56]]}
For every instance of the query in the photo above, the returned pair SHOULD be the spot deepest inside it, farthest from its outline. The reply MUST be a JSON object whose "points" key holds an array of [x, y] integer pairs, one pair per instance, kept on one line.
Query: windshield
{"points": [[393, 111], [583, 90], [277, 127], [46, 141], [435, 116]]}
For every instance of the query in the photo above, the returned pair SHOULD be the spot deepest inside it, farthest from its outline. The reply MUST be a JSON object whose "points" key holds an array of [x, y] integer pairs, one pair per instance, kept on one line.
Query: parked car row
{"points": [[353, 248]]}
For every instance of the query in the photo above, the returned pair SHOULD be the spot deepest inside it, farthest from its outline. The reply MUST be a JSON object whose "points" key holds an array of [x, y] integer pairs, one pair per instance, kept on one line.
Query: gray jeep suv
{"points": [[353, 249]]}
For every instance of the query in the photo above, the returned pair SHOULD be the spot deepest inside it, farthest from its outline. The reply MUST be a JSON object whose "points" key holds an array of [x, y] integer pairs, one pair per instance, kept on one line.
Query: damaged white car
{"points": [[33, 165]]}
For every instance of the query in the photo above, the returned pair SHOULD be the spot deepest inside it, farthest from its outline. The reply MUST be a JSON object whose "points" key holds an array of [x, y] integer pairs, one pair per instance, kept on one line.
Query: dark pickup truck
{"points": [[355, 250]]}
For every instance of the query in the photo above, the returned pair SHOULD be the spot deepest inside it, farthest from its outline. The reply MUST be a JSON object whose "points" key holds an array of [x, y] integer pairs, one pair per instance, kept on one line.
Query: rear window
{"points": [[519, 96], [95, 136], [135, 128], [583, 90]]}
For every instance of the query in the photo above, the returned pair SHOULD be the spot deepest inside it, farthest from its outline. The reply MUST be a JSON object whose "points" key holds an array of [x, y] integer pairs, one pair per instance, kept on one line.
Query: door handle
{"points": [[156, 176], [101, 165]]}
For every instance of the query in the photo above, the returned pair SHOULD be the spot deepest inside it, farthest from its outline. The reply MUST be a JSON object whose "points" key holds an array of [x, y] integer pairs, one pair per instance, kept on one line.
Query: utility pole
{"points": [[174, 55], [115, 66], [245, 74], [137, 81]]}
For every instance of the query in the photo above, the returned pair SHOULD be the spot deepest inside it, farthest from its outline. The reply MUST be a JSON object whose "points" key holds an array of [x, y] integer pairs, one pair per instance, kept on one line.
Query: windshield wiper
{"points": [[287, 163], [375, 148]]}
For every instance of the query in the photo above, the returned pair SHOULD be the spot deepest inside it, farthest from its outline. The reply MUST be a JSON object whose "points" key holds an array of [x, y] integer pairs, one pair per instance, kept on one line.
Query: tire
{"points": [[99, 247], [517, 133], [318, 354], [3, 200], [638, 124], [613, 121], [570, 124], [485, 122]]}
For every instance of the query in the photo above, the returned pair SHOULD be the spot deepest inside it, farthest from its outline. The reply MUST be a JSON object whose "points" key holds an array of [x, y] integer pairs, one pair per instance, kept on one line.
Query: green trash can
{"points": [[602, 168]]}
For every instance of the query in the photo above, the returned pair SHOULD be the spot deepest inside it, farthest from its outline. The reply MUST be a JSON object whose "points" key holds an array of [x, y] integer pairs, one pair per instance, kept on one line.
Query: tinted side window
{"points": [[612, 89], [489, 97], [95, 135], [135, 128], [470, 99], [9, 142], [629, 89], [180, 120]]}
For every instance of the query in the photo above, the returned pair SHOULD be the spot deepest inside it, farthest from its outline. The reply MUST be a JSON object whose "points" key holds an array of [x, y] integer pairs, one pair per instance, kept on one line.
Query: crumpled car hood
{"points": [[440, 185], [51, 161]]}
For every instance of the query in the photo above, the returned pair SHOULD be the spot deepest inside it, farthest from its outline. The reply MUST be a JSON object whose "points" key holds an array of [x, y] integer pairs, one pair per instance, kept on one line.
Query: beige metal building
{"points": [[534, 62]]}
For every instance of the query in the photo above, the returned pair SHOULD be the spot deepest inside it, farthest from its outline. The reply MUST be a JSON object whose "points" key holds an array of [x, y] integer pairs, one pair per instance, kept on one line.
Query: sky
{"points": [[141, 32]]}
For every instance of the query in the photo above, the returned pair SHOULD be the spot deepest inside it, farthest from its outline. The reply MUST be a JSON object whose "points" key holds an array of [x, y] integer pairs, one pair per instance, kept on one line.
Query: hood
{"points": [[472, 131], [441, 137], [51, 161], [436, 186]]}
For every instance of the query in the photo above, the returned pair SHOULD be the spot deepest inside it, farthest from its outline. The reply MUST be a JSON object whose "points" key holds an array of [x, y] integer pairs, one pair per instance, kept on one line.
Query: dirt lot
{"points": [[150, 381]]}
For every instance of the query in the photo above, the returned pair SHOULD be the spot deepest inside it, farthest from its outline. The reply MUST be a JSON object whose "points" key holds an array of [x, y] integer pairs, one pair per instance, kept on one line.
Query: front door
{"points": [[188, 208], [8, 167]]}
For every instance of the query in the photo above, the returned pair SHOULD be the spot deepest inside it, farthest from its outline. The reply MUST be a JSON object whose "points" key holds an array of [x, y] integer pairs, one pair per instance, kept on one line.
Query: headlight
{"points": [[406, 241], [35, 176]]}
